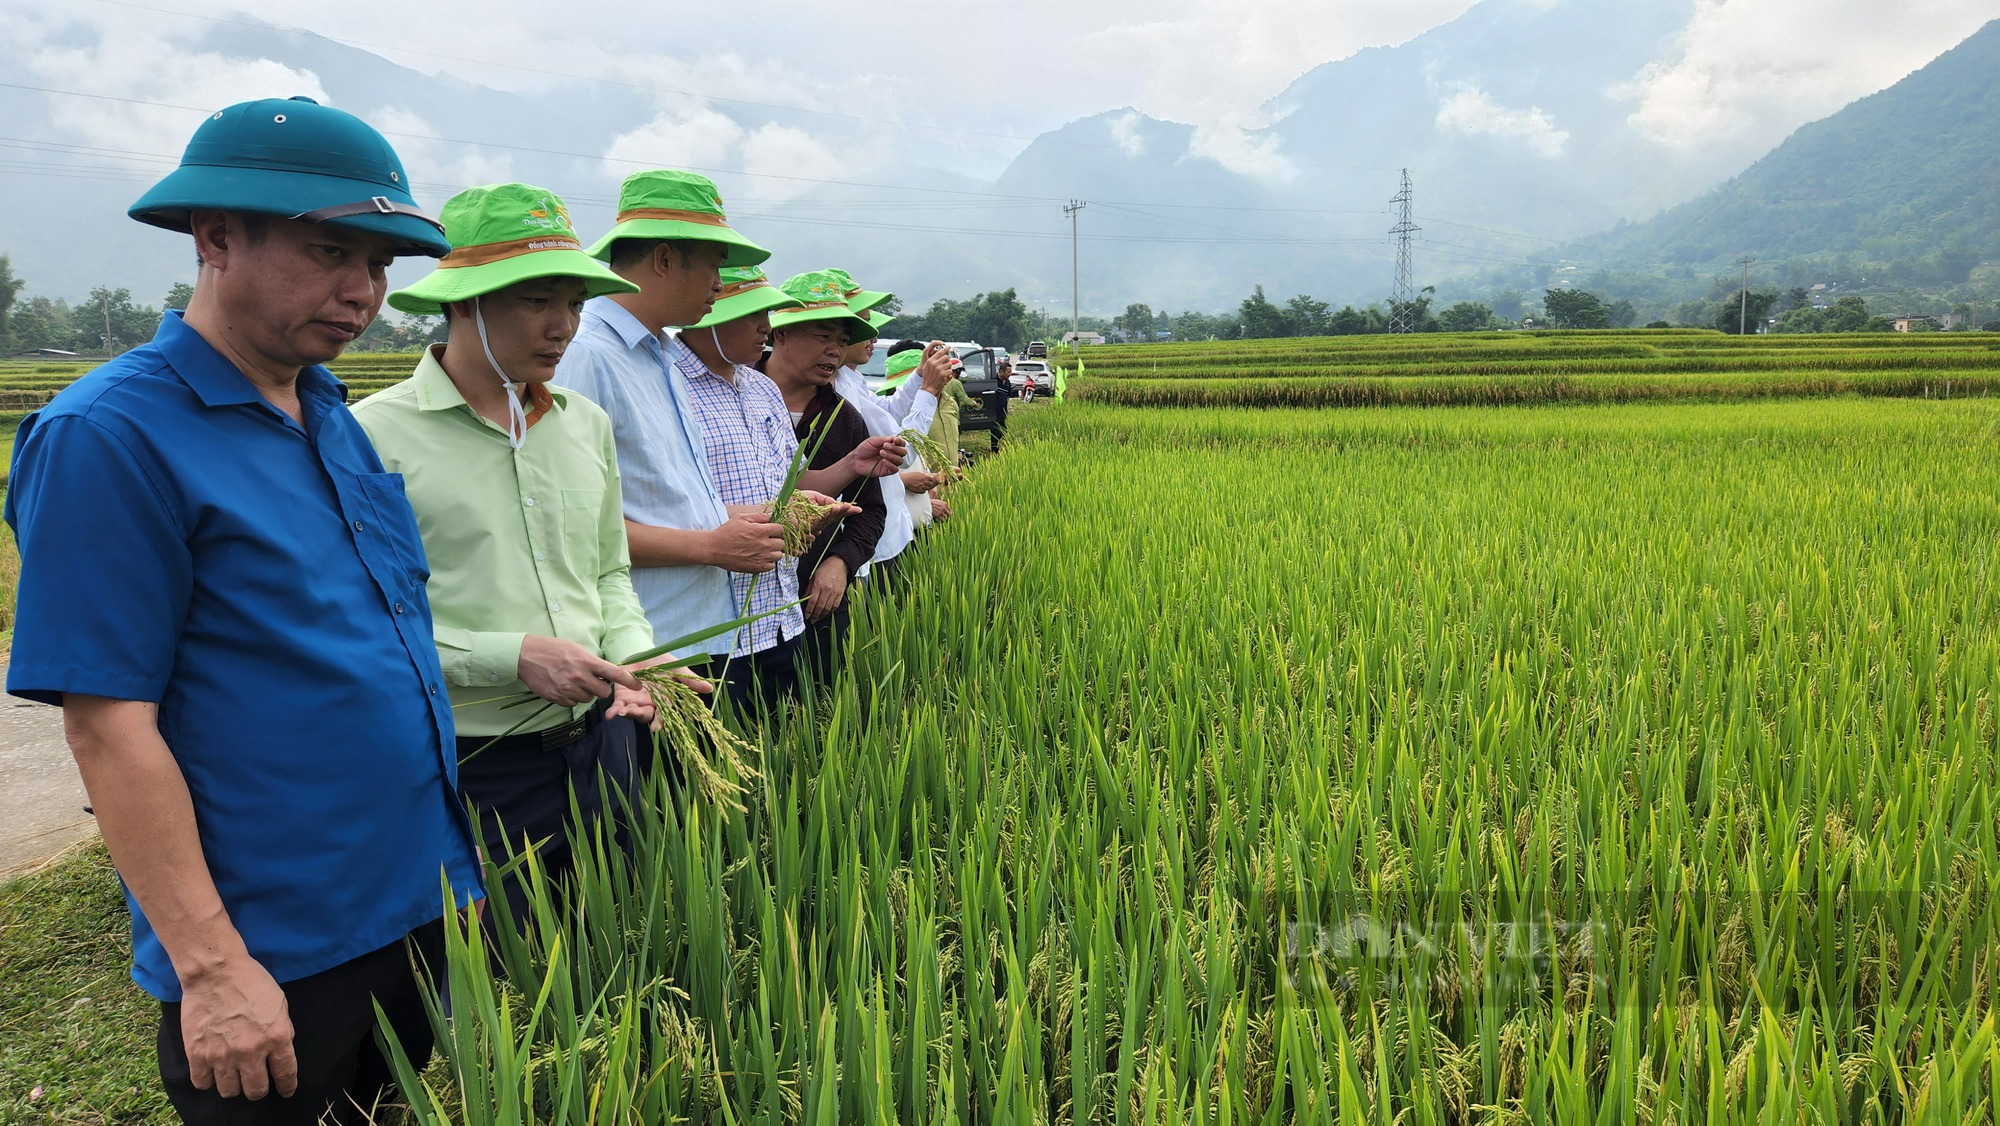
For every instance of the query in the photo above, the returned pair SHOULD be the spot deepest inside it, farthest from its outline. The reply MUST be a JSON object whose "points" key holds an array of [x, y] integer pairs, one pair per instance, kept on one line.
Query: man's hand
{"points": [[747, 543], [940, 510], [635, 702], [836, 509], [876, 457], [917, 481], [935, 370], [827, 589], [563, 672], [237, 1030]]}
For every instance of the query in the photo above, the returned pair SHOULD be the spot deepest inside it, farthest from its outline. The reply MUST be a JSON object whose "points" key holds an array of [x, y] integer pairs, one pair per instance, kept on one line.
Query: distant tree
{"points": [[1507, 305], [10, 288], [129, 325], [1260, 319], [1416, 311], [1746, 312], [1137, 321], [1622, 313], [1308, 316], [42, 323], [1191, 325], [1700, 313], [1849, 314], [1803, 318], [1349, 321], [998, 318], [179, 296], [1658, 324], [1575, 308], [1466, 316]]}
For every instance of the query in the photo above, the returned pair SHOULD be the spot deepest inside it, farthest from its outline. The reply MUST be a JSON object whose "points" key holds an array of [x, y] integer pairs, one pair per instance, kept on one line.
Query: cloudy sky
{"points": [[779, 98], [965, 85]]}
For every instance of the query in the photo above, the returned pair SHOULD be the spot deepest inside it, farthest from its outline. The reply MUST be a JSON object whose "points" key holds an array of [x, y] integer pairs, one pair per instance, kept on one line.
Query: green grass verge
{"points": [[76, 1036]]}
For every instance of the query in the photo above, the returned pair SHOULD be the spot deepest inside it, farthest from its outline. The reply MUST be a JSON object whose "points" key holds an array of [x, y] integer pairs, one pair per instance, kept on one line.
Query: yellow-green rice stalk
{"points": [[935, 458], [799, 515], [691, 730]]}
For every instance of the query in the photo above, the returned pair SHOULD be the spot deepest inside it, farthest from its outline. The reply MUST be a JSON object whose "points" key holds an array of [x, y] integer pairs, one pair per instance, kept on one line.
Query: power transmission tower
{"points": [[1743, 308], [1402, 301], [1075, 302]]}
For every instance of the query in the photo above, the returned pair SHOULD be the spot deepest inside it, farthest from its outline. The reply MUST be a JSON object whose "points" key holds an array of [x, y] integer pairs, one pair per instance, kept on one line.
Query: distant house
{"points": [[1083, 338], [1913, 322], [1950, 322]]}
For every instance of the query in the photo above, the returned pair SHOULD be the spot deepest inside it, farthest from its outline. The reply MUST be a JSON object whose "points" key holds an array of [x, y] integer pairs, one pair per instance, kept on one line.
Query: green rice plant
{"points": [[1584, 764]]}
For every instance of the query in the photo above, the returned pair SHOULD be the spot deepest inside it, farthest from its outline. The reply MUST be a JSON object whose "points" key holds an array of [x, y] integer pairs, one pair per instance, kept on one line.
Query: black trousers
{"points": [[823, 646], [520, 797], [756, 683], [333, 1034]]}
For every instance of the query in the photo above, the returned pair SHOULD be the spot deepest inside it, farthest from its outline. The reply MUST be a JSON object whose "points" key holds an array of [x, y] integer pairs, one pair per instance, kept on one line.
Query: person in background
{"points": [[225, 592], [750, 442], [671, 241], [516, 492], [807, 346]]}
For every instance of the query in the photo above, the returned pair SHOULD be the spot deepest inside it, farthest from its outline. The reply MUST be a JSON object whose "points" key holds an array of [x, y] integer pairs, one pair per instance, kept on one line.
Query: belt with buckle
{"points": [[537, 742]]}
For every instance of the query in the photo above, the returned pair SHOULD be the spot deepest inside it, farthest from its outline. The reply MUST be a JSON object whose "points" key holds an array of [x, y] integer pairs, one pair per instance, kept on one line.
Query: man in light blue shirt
{"points": [[672, 239]]}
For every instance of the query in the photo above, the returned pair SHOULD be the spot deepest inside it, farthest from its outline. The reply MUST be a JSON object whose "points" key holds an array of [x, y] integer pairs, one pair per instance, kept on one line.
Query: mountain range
{"points": [[1516, 122]]}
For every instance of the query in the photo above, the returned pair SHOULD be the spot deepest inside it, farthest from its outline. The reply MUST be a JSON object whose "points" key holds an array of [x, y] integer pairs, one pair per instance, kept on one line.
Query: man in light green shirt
{"points": [[515, 487]]}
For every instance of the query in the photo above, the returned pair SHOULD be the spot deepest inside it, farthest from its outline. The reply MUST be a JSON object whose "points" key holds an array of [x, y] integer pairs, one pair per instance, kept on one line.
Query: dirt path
{"points": [[41, 794]]}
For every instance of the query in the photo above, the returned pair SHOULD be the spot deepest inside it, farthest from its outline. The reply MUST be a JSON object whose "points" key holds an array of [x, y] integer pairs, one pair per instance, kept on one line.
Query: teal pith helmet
{"points": [[296, 159]]}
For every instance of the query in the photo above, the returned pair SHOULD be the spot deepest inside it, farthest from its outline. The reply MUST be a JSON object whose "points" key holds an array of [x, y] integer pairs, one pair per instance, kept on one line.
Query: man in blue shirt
{"points": [[226, 594]]}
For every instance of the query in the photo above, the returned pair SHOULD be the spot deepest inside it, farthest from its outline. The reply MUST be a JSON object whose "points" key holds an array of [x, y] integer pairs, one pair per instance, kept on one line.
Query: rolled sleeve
{"points": [[478, 657], [106, 573]]}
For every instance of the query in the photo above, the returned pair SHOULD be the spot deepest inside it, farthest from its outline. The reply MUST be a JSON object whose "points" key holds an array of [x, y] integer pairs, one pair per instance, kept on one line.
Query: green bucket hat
{"points": [[665, 204], [502, 234], [898, 367], [296, 159], [858, 299], [821, 297], [746, 292], [877, 319]]}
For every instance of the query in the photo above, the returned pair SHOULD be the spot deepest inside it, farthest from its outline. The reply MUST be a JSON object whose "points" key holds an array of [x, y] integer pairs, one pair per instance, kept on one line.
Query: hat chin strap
{"points": [[517, 418], [720, 351]]}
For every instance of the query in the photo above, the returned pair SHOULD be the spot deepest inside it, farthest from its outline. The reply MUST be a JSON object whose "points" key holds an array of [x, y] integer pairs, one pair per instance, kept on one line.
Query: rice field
{"points": [[1583, 764], [1504, 368]]}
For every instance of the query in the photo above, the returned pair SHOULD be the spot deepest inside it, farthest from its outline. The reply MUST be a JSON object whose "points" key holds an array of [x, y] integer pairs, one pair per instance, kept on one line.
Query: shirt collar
{"points": [[215, 380], [436, 392], [620, 320]]}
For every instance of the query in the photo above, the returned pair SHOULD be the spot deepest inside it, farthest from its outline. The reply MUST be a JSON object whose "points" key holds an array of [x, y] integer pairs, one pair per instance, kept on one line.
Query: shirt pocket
{"points": [[582, 517], [397, 523]]}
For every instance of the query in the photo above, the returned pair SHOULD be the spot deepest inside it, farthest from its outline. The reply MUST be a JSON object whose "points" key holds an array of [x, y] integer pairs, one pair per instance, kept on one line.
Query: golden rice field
{"points": [[1576, 765], [1504, 368]]}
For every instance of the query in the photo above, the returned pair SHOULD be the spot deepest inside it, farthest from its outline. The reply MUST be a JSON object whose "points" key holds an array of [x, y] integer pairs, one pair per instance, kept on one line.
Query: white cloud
{"points": [[1754, 69], [446, 168], [1125, 134], [127, 63], [790, 158], [1473, 111], [1231, 143], [688, 138]]}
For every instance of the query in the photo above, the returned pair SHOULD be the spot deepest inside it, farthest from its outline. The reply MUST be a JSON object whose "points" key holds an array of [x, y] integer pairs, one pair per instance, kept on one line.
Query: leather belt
{"points": [[537, 742]]}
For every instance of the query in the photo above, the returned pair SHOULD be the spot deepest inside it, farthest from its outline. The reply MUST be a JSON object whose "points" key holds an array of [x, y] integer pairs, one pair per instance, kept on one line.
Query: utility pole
{"points": [[1402, 300], [1743, 309], [1075, 299], [107, 323]]}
